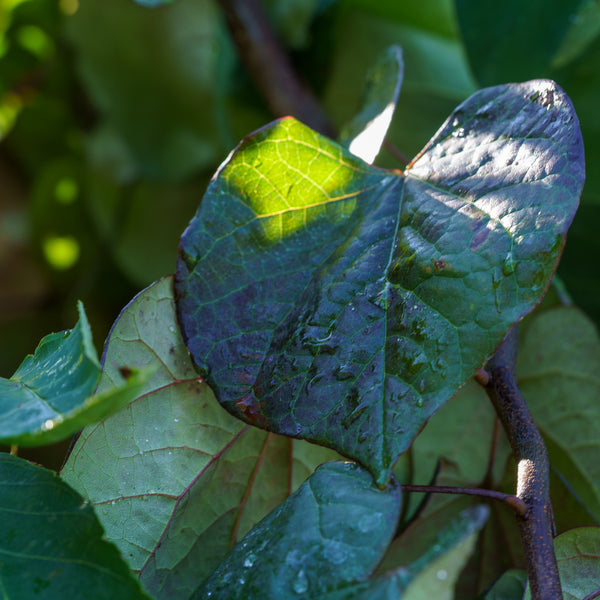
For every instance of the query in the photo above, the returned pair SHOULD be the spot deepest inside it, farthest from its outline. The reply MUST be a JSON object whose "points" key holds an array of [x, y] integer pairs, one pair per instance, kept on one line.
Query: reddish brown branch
{"points": [[533, 470], [514, 502], [269, 66]]}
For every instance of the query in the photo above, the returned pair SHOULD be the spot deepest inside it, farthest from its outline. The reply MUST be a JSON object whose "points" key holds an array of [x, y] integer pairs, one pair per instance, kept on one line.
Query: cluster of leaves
{"points": [[351, 312], [106, 148]]}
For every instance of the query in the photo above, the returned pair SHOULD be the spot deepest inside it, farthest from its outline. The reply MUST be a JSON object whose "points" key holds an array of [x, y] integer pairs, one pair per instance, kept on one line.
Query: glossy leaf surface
{"points": [[51, 542], [174, 478], [328, 300], [50, 396], [365, 134], [431, 575], [578, 558], [332, 530]]}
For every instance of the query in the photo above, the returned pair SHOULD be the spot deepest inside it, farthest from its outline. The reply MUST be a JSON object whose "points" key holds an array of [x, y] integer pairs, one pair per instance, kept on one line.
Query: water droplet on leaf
{"points": [[369, 522], [508, 268], [249, 560], [335, 552], [343, 373], [300, 584]]}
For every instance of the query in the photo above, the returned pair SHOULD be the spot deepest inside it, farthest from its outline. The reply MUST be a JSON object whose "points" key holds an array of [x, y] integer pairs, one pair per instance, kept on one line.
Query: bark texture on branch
{"points": [[270, 67], [533, 470]]}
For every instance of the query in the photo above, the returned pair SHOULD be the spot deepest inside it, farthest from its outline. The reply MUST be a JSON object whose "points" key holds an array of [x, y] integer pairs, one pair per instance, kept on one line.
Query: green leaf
{"points": [[513, 40], [559, 358], [333, 529], [153, 3], [51, 543], [510, 586], [175, 479], [365, 134], [578, 557], [432, 575], [436, 16], [331, 301], [49, 397], [584, 28], [165, 100], [439, 568]]}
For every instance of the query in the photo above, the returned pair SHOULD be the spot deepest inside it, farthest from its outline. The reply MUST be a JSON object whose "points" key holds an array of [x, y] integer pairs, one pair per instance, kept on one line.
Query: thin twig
{"points": [[513, 501], [269, 66], [533, 470], [396, 152], [593, 595]]}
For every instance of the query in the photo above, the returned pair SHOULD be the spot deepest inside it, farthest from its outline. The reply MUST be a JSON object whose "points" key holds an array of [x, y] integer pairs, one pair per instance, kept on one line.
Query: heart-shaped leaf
{"points": [[51, 542], [50, 396], [174, 478], [328, 300], [332, 530]]}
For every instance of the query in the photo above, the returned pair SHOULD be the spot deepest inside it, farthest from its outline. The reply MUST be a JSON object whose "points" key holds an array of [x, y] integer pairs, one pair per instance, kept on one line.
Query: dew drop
{"points": [[343, 373], [250, 559], [442, 575], [508, 268], [313, 382], [300, 584], [420, 403], [335, 552], [369, 522]]}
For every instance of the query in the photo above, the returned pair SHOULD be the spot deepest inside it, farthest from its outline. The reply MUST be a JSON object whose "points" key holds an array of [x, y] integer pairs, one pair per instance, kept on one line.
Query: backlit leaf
{"points": [[51, 543], [174, 478], [328, 300]]}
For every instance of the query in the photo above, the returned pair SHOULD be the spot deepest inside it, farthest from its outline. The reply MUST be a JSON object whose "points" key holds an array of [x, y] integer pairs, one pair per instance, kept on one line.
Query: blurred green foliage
{"points": [[114, 115]]}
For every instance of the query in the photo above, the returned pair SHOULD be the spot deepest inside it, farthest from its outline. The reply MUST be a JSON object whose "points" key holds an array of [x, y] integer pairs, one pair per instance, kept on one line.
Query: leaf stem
{"points": [[396, 152], [533, 470], [269, 66], [514, 502]]}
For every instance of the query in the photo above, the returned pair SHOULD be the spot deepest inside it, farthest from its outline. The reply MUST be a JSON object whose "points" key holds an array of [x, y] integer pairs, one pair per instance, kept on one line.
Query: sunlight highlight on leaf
{"points": [[343, 326]]}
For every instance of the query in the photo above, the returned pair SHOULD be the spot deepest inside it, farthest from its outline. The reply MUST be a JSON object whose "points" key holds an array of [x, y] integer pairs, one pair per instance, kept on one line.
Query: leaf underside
{"points": [[175, 480], [343, 304]]}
